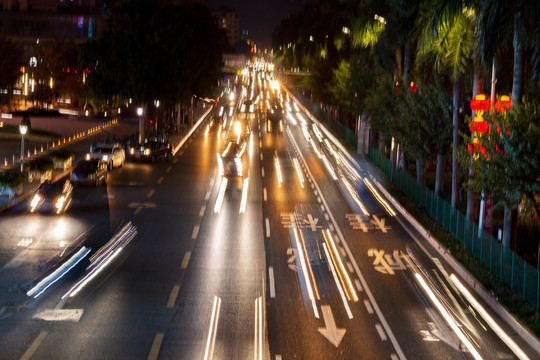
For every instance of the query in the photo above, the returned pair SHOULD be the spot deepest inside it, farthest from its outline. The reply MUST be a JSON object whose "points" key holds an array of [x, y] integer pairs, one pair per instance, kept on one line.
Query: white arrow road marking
{"points": [[330, 331], [60, 315]]}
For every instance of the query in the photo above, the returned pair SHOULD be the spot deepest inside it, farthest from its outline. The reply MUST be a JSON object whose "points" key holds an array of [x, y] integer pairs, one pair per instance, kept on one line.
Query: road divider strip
{"points": [[185, 138]]}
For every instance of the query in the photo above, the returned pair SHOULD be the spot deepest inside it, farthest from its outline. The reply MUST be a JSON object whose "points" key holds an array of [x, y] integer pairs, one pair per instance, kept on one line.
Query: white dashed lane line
{"points": [[195, 232], [267, 223], [368, 307], [381, 332]]}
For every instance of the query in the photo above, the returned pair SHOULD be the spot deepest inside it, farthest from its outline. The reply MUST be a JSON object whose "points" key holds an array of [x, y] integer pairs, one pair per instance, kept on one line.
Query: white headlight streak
{"points": [[496, 328]]}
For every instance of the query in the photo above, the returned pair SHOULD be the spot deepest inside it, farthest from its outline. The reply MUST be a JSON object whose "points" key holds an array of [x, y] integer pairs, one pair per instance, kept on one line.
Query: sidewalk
{"points": [[28, 188]]}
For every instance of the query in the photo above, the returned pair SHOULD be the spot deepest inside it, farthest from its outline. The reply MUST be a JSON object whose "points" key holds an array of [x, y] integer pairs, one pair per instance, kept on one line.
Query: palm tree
{"points": [[447, 40]]}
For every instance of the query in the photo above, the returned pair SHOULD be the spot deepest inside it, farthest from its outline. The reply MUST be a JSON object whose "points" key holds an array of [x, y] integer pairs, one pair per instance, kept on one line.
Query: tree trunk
{"points": [[510, 223], [478, 88], [403, 162], [439, 177], [455, 141], [407, 64], [510, 215], [420, 171], [381, 143]]}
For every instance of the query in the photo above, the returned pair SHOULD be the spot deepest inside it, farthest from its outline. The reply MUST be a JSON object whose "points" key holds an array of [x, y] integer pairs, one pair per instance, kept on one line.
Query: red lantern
{"points": [[479, 125], [503, 104], [480, 103]]}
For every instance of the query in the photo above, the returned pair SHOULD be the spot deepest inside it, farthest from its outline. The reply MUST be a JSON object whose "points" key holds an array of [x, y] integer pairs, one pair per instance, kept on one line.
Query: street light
{"points": [[22, 129], [141, 129]]}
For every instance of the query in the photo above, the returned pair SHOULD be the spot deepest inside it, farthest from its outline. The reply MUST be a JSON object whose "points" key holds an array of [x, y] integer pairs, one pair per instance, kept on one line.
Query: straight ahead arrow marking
{"points": [[330, 331]]}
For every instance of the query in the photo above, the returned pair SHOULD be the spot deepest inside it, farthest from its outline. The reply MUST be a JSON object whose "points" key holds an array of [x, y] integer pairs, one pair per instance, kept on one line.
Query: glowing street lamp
{"points": [[22, 129], [141, 128]]}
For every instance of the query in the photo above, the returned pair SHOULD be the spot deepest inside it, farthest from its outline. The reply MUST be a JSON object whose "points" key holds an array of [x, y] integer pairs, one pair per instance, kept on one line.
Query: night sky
{"points": [[259, 17]]}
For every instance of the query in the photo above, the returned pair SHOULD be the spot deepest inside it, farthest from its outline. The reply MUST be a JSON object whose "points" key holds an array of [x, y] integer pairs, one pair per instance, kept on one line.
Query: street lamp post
{"points": [[141, 127], [22, 129]]}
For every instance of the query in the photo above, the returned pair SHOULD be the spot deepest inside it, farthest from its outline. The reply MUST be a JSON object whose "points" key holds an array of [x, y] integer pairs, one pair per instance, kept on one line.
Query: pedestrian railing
{"points": [[519, 275]]}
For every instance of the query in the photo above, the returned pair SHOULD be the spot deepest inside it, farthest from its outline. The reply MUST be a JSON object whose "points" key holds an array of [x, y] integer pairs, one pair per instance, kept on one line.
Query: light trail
{"points": [[379, 198], [347, 283], [304, 272], [278, 170], [212, 330], [48, 281], [448, 318], [333, 270], [496, 328], [221, 195], [354, 196], [243, 202], [299, 172], [329, 168], [315, 148]]}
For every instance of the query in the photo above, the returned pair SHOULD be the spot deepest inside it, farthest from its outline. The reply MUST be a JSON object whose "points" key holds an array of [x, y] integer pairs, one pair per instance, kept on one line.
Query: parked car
{"points": [[111, 154], [152, 150], [89, 172], [54, 197]]}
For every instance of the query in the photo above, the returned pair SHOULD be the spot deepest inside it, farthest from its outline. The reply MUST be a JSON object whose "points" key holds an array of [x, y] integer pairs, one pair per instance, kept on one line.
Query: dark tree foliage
{"points": [[154, 50], [10, 62]]}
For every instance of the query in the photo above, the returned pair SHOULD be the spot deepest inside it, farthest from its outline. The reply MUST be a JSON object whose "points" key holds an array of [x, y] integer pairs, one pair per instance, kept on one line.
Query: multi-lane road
{"points": [[301, 258]]}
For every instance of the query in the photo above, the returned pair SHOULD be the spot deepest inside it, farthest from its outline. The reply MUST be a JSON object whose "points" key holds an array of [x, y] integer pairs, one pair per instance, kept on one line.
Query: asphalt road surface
{"points": [[300, 258]]}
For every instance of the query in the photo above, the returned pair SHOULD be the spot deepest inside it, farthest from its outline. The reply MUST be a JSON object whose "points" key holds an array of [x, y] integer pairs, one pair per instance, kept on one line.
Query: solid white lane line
{"points": [[368, 307], [381, 332], [185, 260], [195, 232], [272, 283], [265, 196], [173, 296], [267, 223], [156, 345], [32, 349], [201, 212]]}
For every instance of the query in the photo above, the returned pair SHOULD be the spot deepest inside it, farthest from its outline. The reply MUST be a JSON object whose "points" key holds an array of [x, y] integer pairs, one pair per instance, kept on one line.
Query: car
{"points": [[54, 197], [232, 161], [112, 154], [274, 123], [89, 172], [152, 150]]}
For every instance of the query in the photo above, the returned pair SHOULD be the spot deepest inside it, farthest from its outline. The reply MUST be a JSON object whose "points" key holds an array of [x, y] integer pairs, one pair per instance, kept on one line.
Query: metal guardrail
{"points": [[501, 261]]}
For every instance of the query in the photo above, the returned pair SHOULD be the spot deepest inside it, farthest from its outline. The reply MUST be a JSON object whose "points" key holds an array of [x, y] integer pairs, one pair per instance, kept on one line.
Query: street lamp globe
{"points": [[23, 129], [139, 111]]}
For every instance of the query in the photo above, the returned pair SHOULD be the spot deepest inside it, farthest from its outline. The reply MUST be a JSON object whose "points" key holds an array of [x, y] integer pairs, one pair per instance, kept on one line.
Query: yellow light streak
{"points": [[299, 172], [309, 266], [379, 198], [278, 170], [226, 149], [347, 284], [355, 196], [304, 272]]}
